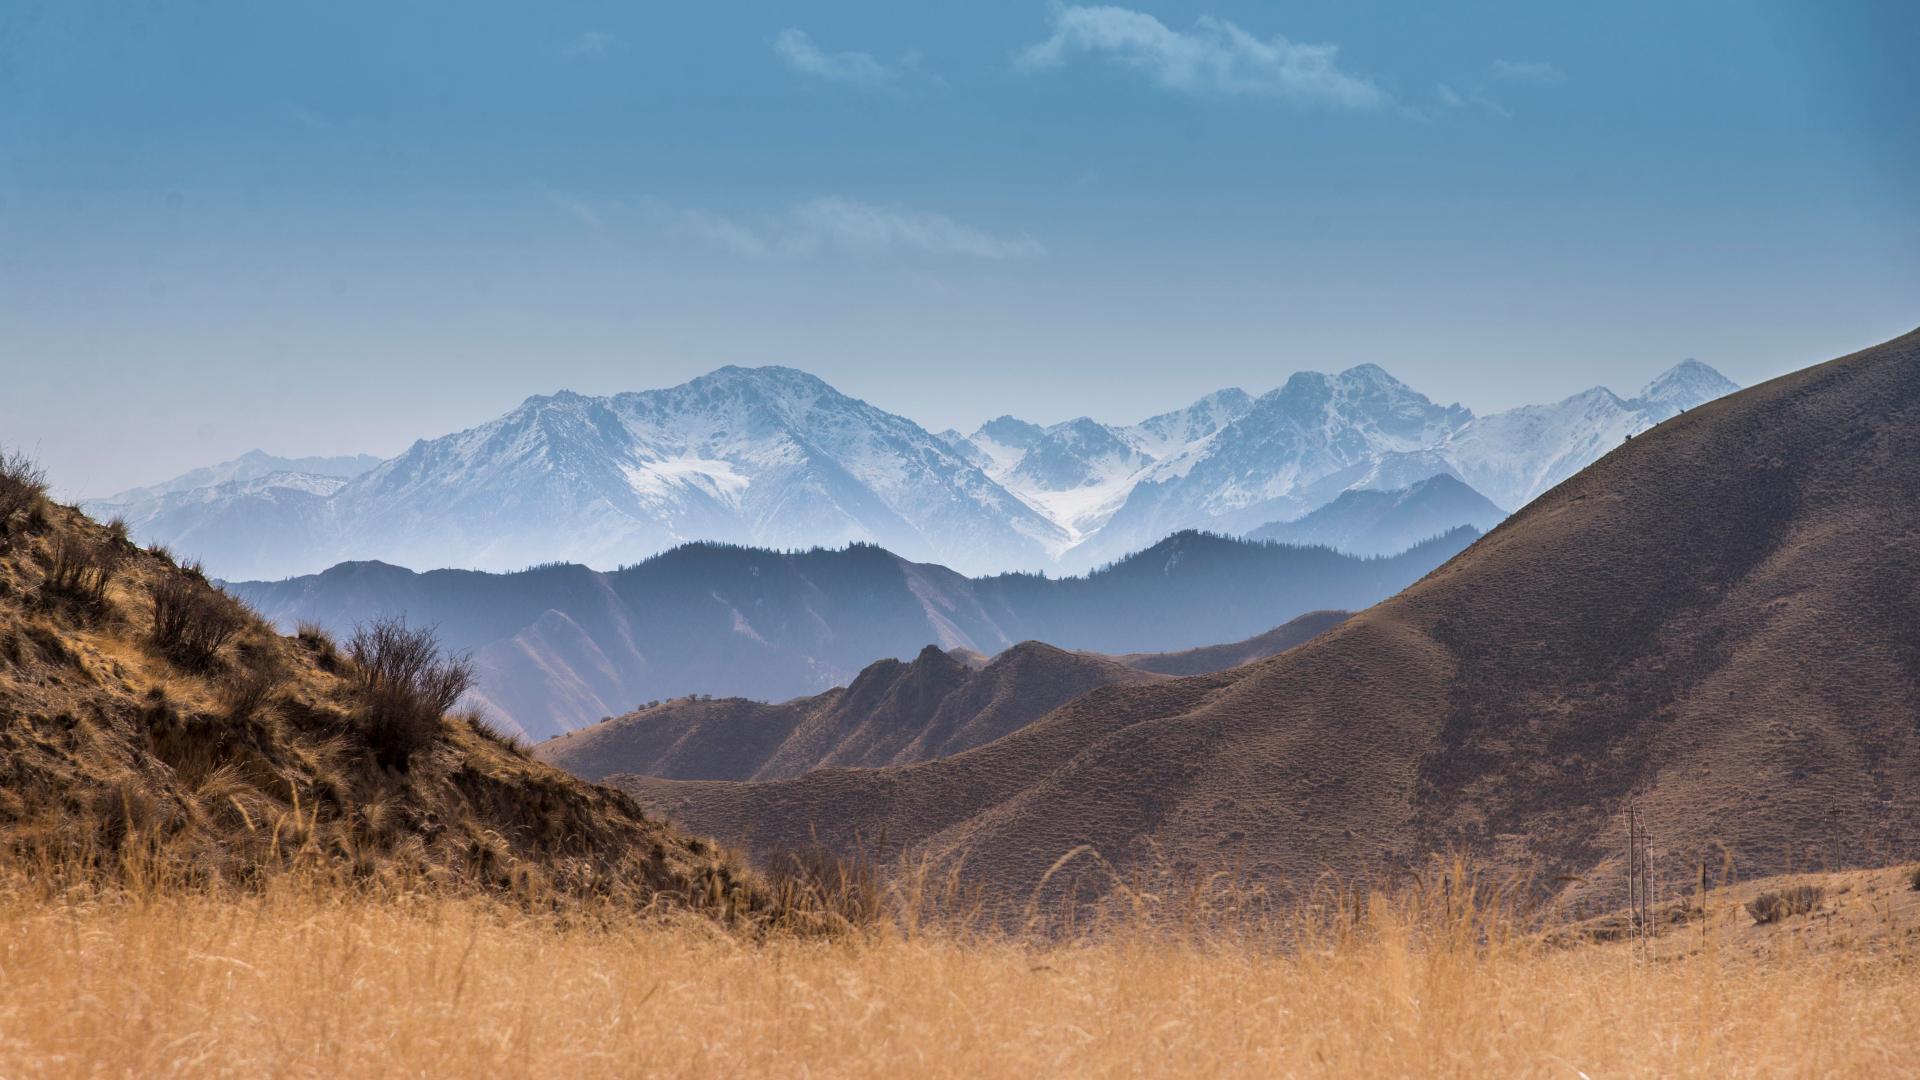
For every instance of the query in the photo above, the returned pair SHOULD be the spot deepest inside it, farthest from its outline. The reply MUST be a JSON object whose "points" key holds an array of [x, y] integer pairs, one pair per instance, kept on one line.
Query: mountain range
{"points": [[559, 647], [1373, 522], [775, 457], [894, 712], [1714, 626]]}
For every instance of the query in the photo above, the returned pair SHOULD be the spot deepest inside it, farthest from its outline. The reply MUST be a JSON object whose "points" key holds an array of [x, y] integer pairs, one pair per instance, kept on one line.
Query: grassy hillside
{"points": [[1441, 978], [151, 725]]}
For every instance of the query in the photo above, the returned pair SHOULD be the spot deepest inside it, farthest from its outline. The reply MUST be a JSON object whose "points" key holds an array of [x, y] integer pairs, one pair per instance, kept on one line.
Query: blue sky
{"points": [[323, 228]]}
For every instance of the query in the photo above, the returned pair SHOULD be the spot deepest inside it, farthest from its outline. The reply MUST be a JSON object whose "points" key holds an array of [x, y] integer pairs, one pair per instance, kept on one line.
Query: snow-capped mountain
{"points": [[1514, 456], [1297, 448], [252, 465], [774, 457], [1288, 452], [766, 456], [1078, 472]]}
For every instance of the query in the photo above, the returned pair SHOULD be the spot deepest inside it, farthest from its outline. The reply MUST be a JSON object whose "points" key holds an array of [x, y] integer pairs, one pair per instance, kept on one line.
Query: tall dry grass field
{"points": [[308, 981]]}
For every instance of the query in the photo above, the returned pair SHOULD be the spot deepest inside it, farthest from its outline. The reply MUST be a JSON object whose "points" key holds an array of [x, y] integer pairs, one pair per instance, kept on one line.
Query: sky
{"points": [[338, 227]]}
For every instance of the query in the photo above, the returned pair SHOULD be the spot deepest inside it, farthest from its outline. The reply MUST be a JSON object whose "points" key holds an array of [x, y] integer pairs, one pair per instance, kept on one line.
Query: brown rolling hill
{"points": [[1719, 622], [893, 713], [1211, 658], [151, 724]]}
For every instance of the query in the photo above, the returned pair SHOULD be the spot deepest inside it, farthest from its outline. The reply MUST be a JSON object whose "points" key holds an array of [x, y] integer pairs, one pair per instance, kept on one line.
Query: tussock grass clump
{"points": [[250, 694], [1771, 907], [314, 638], [404, 684], [820, 891], [497, 735], [192, 620]]}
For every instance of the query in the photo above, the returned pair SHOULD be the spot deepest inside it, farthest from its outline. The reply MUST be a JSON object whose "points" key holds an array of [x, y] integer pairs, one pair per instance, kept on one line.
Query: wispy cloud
{"points": [[1215, 57], [855, 228], [1528, 71], [575, 208], [859, 69], [592, 43]]}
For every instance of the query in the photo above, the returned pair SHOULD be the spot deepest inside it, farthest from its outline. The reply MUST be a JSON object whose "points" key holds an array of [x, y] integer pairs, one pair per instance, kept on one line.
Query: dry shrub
{"points": [[82, 568], [405, 685], [1914, 879], [22, 485], [250, 694], [191, 619], [1771, 907]]}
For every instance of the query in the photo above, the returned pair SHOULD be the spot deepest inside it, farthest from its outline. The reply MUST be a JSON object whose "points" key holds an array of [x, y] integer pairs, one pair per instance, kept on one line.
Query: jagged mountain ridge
{"points": [[895, 712], [777, 458], [1301, 446], [559, 647]]}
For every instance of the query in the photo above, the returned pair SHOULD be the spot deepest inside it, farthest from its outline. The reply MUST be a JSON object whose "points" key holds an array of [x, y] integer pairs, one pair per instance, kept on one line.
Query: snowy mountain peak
{"points": [[1687, 384], [773, 456], [1011, 432]]}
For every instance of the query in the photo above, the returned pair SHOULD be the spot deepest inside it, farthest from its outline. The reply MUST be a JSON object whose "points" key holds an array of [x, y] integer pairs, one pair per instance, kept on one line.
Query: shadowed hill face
{"points": [[559, 647], [1719, 620], [1211, 658], [1382, 522], [150, 717], [892, 713]]}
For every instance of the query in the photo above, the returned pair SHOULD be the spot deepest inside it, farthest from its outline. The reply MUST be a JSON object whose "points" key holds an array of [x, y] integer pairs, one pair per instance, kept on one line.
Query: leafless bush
{"points": [[82, 568], [1914, 879], [22, 485], [1771, 907], [405, 685], [191, 619]]}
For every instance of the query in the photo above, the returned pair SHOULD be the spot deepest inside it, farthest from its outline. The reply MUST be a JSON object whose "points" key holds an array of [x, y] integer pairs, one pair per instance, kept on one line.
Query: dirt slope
{"points": [[1210, 658], [257, 755], [1719, 620]]}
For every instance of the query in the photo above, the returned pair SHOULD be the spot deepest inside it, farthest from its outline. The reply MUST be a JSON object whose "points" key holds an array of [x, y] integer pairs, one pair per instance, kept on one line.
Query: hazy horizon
{"points": [[336, 230]]}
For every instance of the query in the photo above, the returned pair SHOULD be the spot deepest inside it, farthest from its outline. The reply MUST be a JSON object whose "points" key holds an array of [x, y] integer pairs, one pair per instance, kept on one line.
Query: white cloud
{"points": [[575, 208], [850, 68], [726, 232], [591, 43], [856, 228], [1528, 71], [1215, 57]]}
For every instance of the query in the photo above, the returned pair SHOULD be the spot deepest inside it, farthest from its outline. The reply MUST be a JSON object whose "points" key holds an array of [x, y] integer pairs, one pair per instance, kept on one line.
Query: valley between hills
{"points": [[1655, 727]]}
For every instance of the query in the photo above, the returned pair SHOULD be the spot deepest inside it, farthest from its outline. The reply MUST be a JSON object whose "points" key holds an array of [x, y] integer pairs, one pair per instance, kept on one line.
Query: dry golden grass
{"points": [[295, 980]]}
